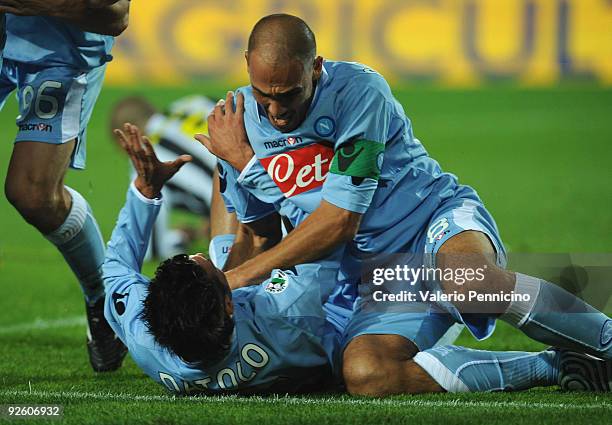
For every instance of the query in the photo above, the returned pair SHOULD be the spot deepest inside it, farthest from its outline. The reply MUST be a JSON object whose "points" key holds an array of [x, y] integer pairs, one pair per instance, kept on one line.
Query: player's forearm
{"points": [[98, 16], [323, 231], [129, 240], [242, 249], [249, 244]]}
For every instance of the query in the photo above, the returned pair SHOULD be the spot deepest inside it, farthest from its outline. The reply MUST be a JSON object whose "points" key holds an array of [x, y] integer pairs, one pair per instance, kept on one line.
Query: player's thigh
{"points": [[462, 234], [38, 167], [463, 237]]}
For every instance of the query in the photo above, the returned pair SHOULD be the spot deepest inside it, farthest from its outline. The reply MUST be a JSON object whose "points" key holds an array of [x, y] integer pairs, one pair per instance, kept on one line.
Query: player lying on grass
{"points": [[328, 146], [55, 57], [189, 332]]}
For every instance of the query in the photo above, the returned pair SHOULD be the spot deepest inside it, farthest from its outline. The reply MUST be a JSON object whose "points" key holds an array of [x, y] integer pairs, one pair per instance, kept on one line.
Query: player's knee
{"points": [[373, 364], [36, 203], [364, 375]]}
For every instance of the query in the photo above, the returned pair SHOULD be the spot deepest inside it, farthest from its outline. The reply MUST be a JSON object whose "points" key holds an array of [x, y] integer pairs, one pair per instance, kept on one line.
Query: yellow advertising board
{"points": [[451, 42]]}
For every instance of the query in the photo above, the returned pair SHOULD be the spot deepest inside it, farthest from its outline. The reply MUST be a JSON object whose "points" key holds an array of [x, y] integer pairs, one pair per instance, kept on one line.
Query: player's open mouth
{"points": [[284, 122]]}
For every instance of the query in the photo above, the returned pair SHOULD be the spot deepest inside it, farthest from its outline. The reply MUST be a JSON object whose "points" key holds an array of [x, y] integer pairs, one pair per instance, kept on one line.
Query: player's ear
{"points": [[246, 57], [229, 305], [317, 67]]}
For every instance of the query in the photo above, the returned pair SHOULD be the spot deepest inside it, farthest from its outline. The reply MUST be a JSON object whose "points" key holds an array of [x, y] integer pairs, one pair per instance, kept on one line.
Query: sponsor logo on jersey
{"points": [[36, 127], [325, 126], [281, 143], [299, 170], [278, 283]]}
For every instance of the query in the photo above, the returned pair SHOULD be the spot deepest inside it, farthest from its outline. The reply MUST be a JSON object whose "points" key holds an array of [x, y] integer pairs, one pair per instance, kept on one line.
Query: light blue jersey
{"points": [[281, 341], [356, 150], [45, 41]]}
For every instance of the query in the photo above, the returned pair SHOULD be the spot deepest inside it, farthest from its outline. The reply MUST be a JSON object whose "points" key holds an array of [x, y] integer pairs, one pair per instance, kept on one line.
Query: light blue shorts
{"points": [[459, 214], [429, 324], [55, 103]]}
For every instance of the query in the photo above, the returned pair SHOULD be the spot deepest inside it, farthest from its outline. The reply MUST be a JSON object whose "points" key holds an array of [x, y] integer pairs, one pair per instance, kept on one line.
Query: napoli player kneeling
{"points": [[327, 144]]}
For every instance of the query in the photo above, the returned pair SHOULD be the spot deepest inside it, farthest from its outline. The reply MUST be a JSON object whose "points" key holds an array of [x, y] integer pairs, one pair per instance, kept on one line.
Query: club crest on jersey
{"points": [[299, 170], [278, 283], [325, 126], [437, 230]]}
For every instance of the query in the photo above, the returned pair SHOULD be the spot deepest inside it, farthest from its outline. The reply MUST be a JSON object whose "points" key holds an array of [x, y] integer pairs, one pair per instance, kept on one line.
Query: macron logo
{"points": [[281, 143]]}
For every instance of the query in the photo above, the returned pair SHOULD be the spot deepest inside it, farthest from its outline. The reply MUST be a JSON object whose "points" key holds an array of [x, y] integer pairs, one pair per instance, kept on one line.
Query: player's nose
{"points": [[276, 110]]}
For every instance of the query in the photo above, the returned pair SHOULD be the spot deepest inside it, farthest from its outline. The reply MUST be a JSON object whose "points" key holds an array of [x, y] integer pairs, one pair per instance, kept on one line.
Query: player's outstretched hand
{"points": [[152, 173], [227, 138]]}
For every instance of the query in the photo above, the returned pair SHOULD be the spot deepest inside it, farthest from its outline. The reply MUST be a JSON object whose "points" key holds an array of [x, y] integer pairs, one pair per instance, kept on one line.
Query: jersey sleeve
{"points": [[246, 205], [124, 284], [363, 113]]}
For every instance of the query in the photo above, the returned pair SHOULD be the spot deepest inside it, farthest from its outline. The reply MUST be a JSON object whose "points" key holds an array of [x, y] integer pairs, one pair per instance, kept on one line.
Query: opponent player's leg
{"points": [[51, 137], [544, 311]]}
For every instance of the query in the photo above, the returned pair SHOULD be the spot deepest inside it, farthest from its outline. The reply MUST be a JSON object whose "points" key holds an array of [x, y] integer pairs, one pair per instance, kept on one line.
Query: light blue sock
{"points": [[558, 318], [219, 249], [459, 369], [80, 242]]}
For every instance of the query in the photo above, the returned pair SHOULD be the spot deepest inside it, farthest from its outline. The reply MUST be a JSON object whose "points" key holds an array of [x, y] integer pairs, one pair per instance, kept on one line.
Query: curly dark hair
{"points": [[185, 311]]}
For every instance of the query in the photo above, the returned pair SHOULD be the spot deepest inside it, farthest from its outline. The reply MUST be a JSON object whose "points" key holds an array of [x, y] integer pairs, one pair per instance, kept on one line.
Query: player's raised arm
{"points": [[108, 17], [128, 243], [152, 173]]}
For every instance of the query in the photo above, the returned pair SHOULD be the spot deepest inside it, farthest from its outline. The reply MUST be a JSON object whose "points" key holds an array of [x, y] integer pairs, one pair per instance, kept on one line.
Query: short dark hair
{"points": [[286, 35], [185, 311]]}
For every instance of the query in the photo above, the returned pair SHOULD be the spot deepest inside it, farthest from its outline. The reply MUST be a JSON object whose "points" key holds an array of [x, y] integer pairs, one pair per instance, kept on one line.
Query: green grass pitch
{"points": [[539, 158]]}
